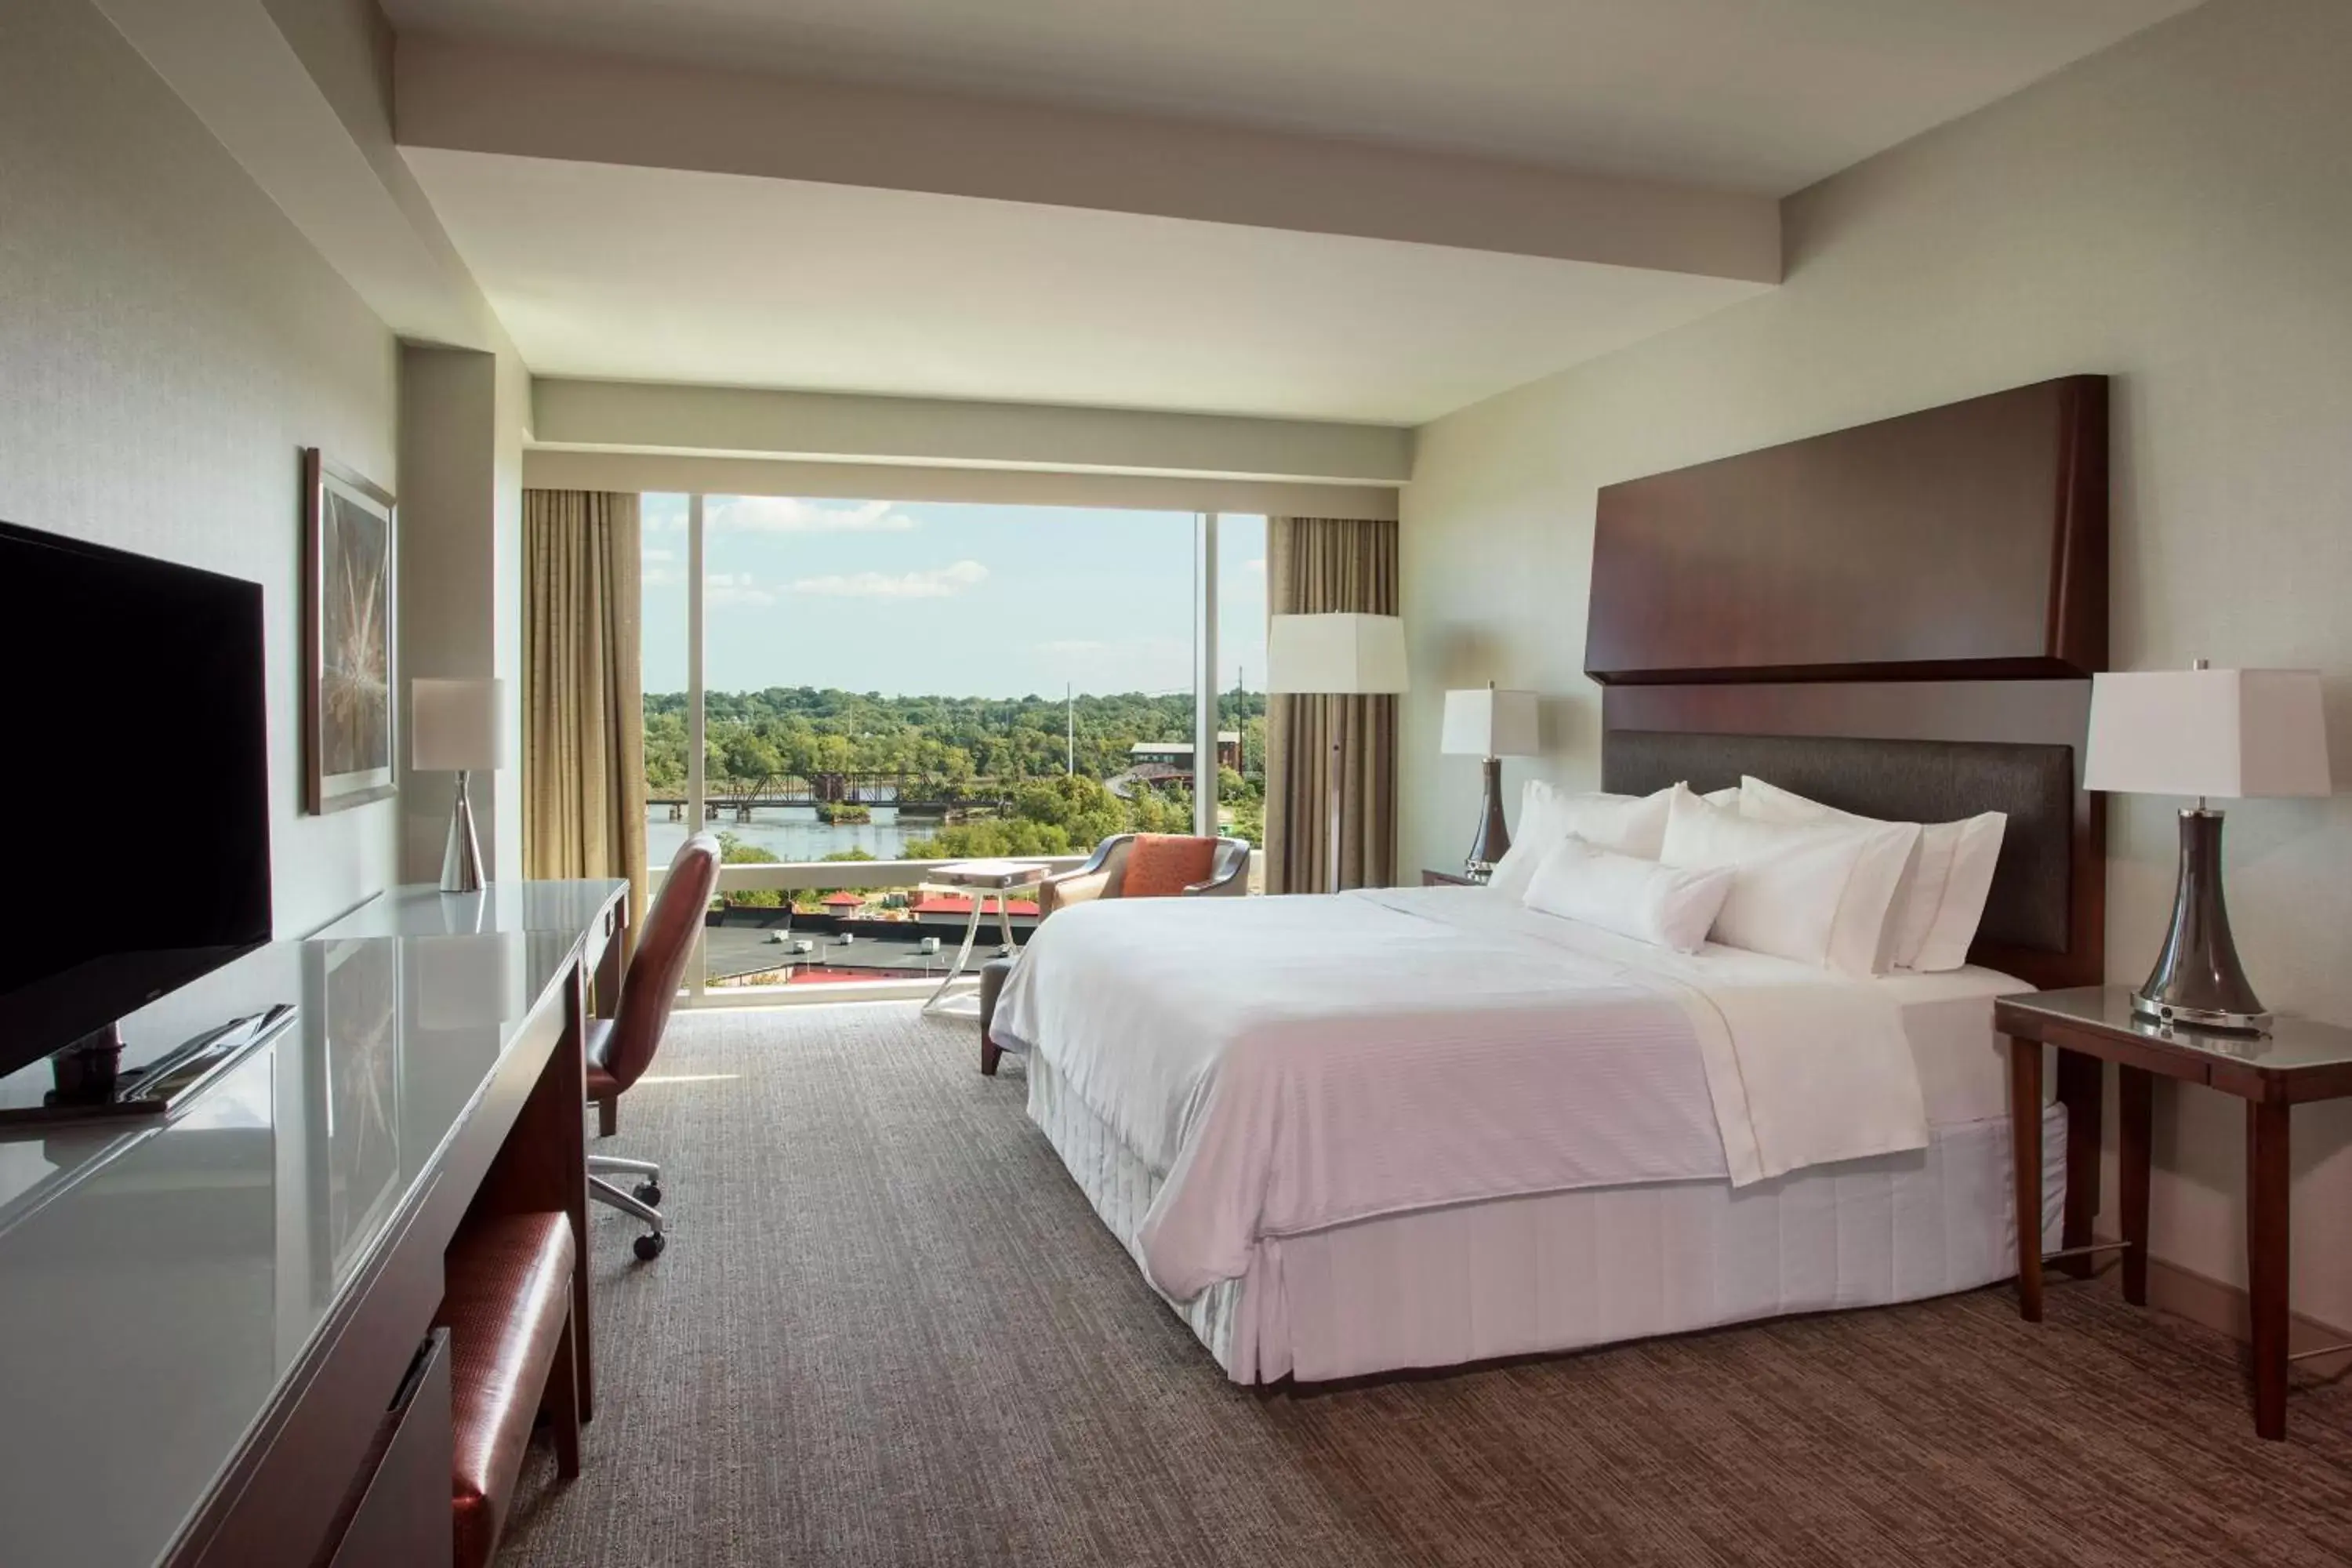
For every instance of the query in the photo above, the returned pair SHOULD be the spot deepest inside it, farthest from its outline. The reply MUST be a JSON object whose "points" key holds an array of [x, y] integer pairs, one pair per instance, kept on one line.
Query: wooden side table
{"points": [[2296, 1062], [1432, 878]]}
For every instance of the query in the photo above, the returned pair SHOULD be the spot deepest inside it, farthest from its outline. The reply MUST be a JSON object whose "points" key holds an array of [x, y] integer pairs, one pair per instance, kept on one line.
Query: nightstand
{"points": [[1429, 878], [2298, 1061]]}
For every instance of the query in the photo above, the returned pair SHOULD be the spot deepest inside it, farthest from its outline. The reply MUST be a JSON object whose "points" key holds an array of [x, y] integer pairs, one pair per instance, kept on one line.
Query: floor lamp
{"points": [[1335, 656]]}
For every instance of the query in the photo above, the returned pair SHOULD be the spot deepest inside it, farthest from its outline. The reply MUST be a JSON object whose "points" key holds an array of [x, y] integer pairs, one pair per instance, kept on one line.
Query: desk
{"points": [[2296, 1062], [207, 1322]]}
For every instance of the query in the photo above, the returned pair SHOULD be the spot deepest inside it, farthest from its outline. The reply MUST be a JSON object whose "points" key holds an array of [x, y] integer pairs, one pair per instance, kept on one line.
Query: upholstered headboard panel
{"points": [[2030, 903]]}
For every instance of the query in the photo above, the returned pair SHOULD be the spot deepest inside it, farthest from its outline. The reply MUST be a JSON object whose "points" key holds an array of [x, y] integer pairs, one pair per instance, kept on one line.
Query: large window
{"points": [[883, 683]]}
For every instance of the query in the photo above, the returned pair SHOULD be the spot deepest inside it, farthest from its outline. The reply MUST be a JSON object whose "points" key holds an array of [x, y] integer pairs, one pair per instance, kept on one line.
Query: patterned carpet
{"points": [[888, 1331]]}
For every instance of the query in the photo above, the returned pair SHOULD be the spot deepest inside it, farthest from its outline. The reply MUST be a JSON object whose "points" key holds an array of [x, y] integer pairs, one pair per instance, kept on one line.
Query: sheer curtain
{"points": [[584, 774], [1317, 565]]}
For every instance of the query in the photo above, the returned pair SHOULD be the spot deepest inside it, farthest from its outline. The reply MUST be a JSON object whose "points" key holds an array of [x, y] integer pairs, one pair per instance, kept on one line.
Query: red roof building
{"points": [[960, 904]]}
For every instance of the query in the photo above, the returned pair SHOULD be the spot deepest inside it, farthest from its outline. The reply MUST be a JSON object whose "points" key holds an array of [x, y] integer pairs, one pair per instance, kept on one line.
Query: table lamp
{"points": [[454, 727], [2205, 732], [1339, 655], [1485, 722]]}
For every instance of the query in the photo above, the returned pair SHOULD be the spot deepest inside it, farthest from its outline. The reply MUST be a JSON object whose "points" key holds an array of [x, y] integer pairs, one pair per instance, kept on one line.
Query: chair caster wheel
{"points": [[648, 1193], [650, 1247]]}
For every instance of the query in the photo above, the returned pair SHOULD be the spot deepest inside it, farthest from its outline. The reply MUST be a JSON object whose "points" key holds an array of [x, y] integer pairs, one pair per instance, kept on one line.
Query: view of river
{"points": [[790, 832]]}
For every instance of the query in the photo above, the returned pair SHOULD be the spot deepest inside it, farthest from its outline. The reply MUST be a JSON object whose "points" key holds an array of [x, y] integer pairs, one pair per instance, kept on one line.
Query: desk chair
{"points": [[620, 1048]]}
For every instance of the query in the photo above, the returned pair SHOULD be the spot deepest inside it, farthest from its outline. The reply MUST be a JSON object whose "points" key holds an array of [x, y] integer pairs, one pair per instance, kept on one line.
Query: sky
{"points": [[923, 598]]}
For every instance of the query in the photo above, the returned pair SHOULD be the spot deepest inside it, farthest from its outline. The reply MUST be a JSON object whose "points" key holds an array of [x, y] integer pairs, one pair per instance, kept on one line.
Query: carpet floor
{"points": [[889, 1332]]}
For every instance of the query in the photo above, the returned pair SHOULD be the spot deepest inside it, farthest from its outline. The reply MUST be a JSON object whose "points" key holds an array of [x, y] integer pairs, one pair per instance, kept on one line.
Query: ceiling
{"points": [[1761, 95], [613, 272]]}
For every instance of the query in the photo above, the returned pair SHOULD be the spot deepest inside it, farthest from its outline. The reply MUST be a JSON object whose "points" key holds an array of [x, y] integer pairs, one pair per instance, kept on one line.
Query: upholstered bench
{"points": [[506, 1299], [991, 983]]}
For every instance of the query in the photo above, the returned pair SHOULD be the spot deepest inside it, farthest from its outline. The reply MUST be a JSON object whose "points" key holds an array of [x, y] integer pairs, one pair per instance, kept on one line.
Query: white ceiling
{"points": [[1764, 96], [661, 274]]}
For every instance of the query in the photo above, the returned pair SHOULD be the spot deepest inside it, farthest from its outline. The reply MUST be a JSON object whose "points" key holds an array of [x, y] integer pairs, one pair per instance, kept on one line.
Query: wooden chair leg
{"points": [[990, 1054], [608, 1116], [561, 1402]]}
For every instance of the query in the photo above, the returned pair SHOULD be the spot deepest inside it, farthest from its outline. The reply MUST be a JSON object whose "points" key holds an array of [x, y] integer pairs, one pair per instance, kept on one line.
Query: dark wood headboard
{"points": [[1900, 620]]}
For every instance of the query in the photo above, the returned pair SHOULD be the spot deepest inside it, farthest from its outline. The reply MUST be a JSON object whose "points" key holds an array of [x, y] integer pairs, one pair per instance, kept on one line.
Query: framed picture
{"points": [[347, 675]]}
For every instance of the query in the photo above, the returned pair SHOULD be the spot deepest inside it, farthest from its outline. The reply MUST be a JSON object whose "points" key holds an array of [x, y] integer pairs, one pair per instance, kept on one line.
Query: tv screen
{"points": [[136, 790]]}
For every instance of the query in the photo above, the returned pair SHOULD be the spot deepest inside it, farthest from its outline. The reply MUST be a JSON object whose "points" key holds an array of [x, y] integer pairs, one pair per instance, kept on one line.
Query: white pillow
{"points": [[1632, 824], [1941, 897], [1727, 795], [1640, 899], [1816, 893]]}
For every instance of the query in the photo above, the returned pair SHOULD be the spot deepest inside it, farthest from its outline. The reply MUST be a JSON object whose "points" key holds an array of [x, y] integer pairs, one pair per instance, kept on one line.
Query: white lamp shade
{"points": [[1486, 722], [2217, 732], [1333, 654], [455, 724]]}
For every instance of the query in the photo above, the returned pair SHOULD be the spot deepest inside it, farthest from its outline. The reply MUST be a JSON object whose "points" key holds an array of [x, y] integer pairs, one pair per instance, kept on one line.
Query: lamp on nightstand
{"points": [[2205, 732], [1485, 722]]}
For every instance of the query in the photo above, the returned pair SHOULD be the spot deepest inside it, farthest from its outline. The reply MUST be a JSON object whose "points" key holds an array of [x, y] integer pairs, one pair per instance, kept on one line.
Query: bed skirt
{"points": [[1563, 1271]]}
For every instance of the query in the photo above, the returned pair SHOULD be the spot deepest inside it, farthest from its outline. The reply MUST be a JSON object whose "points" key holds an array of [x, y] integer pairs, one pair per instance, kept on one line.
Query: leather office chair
{"points": [[1215, 868], [620, 1048]]}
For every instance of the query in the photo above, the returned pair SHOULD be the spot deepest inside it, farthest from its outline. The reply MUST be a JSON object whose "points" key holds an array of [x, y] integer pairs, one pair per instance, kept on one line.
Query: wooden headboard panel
{"points": [[1961, 542], [1900, 620]]}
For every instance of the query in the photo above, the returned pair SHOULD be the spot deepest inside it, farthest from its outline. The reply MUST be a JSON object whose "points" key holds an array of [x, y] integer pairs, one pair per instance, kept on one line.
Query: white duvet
{"points": [[1292, 1063]]}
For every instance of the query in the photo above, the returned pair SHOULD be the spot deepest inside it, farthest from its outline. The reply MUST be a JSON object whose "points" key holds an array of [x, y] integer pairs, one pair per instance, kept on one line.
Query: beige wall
{"points": [[2174, 213], [168, 343]]}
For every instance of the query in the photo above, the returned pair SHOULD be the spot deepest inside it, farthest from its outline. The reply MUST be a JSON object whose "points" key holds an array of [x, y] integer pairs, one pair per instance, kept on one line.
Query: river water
{"points": [[791, 833]]}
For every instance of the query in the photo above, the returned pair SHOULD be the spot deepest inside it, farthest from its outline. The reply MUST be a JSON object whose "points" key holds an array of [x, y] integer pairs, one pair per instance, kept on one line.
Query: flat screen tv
{"points": [[135, 788]]}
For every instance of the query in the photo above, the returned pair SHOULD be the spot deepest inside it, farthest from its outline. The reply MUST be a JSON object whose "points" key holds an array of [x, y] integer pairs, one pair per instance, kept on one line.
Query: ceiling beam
{"points": [[321, 146], [821, 426], [482, 97], [558, 470]]}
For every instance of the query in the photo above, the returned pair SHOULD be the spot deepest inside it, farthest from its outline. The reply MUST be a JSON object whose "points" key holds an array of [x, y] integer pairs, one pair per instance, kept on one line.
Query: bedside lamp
{"points": [[2205, 732], [1335, 656], [453, 727], [1485, 722]]}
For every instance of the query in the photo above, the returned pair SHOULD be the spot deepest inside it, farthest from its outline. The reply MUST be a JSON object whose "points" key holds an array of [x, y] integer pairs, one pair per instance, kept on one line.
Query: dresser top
{"points": [[163, 1279]]}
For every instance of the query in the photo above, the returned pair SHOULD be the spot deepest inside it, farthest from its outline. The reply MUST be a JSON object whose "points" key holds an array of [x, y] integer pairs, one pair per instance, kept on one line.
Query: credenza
{"points": [[217, 1340]]}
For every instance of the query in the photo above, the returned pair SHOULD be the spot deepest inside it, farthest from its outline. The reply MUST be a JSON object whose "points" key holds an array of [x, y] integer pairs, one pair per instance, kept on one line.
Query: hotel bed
{"points": [[1369, 1210], [1397, 1129]]}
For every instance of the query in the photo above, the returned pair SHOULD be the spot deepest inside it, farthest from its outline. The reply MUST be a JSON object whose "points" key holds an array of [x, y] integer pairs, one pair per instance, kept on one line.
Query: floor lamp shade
{"points": [[1485, 722], [1336, 654], [2206, 733], [456, 726]]}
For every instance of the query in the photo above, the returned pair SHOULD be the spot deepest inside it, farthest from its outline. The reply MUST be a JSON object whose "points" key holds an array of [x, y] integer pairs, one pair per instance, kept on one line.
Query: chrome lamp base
{"points": [[461, 859], [1494, 839], [2197, 983]]}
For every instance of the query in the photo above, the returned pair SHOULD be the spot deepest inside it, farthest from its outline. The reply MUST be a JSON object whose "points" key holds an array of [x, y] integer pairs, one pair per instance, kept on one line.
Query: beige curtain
{"points": [[1317, 565], [584, 765]]}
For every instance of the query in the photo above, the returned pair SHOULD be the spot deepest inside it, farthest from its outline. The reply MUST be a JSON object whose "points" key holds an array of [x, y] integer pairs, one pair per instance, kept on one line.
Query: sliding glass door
{"points": [[845, 691]]}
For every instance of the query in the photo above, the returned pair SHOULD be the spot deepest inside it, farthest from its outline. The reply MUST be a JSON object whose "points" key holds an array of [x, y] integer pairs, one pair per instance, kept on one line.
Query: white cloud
{"points": [[1258, 566], [789, 514], [663, 577], [1072, 647], [722, 590], [939, 583], [660, 555]]}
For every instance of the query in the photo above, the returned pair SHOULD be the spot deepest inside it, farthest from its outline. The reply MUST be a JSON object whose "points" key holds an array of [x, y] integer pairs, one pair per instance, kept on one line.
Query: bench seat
{"points": [[506, 1301]]}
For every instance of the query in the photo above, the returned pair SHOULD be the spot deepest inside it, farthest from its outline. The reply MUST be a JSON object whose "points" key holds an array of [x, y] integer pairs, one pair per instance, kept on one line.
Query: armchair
{"points": [[1152, 865]]}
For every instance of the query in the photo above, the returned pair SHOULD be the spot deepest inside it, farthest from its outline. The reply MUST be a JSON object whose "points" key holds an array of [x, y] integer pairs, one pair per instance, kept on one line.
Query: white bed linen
{"points": [[1291, 1064], [1947, 1019], [1559, 1272]]}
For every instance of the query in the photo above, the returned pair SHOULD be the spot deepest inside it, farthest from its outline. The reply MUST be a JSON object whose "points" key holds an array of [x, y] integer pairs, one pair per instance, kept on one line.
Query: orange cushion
{"points": [[1163, 864]]}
